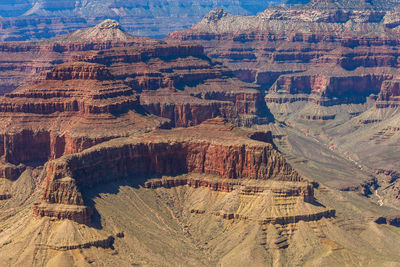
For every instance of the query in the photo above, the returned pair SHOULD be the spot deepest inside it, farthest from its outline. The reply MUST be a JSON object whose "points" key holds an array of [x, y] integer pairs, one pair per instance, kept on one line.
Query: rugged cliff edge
{"points": [[91, 173], [151, 67], [115, 85], [210, 148]]}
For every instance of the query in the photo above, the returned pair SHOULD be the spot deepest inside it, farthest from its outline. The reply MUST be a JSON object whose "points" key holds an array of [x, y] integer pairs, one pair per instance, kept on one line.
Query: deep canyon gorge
{"points": [[256, 133]]}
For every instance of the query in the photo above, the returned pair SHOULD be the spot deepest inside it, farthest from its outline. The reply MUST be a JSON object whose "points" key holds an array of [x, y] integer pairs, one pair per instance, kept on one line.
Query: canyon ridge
{"points": [[265, 140]]}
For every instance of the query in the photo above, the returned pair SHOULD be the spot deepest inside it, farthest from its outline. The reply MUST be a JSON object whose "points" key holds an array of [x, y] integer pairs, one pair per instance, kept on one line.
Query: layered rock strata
{"points": [[210, 148], [389, 95], [180, 83], [304, 190], [21, 61], [199, 88], [332, 54], [52, 117]]}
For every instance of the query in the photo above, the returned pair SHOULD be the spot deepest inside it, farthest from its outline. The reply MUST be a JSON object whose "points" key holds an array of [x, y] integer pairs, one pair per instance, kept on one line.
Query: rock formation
{"points": [[180, 84], [52, 117], [334, 55], [149, 66], [329, 70], [38, 19], [24, 60], [210, 148]]}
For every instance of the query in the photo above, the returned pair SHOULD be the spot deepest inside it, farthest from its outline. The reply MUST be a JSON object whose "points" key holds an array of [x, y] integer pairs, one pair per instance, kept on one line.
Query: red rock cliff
{"points": [[209, 148]]}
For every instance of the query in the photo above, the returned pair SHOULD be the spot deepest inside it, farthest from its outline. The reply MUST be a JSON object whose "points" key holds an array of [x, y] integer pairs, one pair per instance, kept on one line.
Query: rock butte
{"points": [[210, 148], [24, 60], [74, 107]]}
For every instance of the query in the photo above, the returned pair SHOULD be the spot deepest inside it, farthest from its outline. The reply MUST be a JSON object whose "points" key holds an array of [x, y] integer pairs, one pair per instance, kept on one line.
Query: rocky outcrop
{"points": [[389, 95], [281, 190], [59, 92], [189, 87], [80, 214], [202, 149], [31, 146], [297, 218], [184, 110], [128, 76], [178, 82], [284, 220], [331, 87], [216, 185]]}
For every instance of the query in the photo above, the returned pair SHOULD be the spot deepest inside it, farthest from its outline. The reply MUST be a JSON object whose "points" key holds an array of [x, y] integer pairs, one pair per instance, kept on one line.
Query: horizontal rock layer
{"points": [[341, 54], [202, 149]]}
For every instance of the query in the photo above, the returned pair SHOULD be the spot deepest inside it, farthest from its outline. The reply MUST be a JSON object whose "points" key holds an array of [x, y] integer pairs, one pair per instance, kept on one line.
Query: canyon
{"points": [[40, 19], [327, 68], [262, 140]]}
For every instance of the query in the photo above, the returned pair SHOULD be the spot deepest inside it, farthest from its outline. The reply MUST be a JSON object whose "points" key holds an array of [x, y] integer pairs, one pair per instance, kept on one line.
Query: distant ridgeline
{"points": [[38, 19], [348, 4]]}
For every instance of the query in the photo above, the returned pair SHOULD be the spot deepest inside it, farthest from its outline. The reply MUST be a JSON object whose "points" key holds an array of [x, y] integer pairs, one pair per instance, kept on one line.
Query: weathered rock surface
{"points": [[389, 95], [118, 78], [10, 171], [178, 82], [210, 148], [116, 191]]}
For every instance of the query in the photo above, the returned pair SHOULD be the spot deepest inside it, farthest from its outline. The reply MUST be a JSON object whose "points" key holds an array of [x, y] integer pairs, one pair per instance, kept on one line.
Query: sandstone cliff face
{"points": [[10, 171], [37, 147], [210, 148], [336, 52], [185, 110], [119, 76]]}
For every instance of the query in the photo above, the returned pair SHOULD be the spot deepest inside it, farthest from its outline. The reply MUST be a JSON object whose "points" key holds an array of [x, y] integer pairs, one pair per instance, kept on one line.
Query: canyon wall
{"points": [[176, 81], [48, 119], [165, 152], [306, 49], [122, 79]]}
